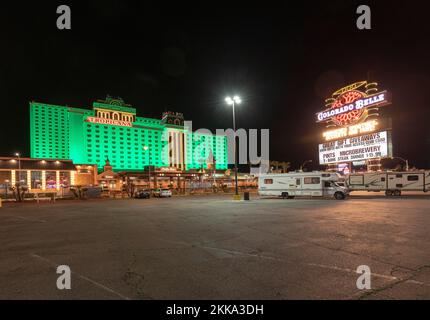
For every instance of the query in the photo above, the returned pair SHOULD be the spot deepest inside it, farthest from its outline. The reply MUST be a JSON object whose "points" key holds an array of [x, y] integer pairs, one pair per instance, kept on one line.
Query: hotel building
{"points": [[112, 130]]}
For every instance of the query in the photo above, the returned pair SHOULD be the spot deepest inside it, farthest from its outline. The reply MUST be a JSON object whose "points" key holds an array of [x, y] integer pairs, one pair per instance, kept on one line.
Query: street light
{"points": [[404, 160], [19, 167], [304, 163], [149, 166], [232, 102]]}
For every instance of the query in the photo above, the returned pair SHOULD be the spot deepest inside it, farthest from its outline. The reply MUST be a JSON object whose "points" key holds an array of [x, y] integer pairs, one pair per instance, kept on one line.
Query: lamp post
{"points": [[404, 160], [19, 167], [232, 102], [146, 148], [304, 163]]}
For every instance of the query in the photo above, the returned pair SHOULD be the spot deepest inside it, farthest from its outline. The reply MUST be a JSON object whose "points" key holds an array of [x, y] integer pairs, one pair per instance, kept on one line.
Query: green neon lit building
{"points": [[112, 130]]}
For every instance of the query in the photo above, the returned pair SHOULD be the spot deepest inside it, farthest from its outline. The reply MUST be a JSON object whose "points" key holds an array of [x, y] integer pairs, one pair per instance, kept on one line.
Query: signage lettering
{"points": [[356, 129], [370, 101], [109, 121], [364, 147]]}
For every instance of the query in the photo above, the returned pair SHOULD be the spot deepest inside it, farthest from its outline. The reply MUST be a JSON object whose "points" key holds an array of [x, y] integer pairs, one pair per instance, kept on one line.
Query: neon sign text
{"points": [[356, 129], [109, 121], [369, 101]]}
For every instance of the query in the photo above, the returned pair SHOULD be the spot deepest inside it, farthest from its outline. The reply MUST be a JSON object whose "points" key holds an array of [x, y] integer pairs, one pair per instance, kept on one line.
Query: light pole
{"points": [[19, 167], [146, 148], [232, 102], [304, 163], [404, 160]]}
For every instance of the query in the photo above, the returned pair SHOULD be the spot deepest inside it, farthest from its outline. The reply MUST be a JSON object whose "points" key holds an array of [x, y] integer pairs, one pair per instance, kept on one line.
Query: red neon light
{"points": [[347, 98]]}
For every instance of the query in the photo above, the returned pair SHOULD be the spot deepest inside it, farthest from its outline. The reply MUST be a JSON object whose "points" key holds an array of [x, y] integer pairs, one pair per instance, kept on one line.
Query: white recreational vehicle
{"points": [[292, 184], [391, 182]]}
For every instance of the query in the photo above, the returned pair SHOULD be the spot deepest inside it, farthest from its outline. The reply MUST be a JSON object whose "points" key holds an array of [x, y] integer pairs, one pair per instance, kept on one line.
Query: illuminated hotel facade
{"points": [[112, 130]]}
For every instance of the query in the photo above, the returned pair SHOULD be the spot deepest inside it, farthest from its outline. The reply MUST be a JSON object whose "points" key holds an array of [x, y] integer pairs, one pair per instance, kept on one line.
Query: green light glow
{"points": [[60, 132]]}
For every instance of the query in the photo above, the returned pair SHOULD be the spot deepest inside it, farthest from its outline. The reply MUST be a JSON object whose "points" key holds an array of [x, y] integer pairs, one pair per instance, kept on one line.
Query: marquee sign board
{"points": [[364, 127], [370, 146], [353, 104], [357, 129]]}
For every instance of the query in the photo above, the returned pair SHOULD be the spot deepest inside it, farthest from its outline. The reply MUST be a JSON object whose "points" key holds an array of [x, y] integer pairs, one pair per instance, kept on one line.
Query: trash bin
{"points": [[246, 196]]}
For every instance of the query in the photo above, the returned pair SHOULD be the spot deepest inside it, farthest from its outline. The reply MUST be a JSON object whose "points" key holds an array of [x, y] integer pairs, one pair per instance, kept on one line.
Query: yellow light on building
{"points": [[72, 178], [43, 180], [29, 179], [57, 178], [364, 127]]}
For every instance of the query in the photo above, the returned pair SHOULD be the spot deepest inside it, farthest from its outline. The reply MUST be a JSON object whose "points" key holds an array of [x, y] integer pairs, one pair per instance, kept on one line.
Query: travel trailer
{"points": [[393, 183], [292, 184]]}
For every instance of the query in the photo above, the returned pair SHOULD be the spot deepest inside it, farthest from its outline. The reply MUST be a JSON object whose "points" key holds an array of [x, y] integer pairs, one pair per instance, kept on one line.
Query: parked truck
{"points": [[393, 183], [292, 184]]}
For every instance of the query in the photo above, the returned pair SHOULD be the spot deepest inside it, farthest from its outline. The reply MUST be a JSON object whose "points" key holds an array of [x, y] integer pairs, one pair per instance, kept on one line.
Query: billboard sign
{"points": [[369, 146], [353, 104]]}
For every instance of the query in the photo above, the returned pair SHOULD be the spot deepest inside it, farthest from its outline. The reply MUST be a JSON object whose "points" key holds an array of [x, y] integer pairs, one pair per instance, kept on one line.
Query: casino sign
{"points": [[353, 104], [356, 130]]}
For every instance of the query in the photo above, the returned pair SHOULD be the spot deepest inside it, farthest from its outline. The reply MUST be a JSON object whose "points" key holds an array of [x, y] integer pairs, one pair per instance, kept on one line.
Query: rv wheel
{"points": [[388, 193], [339, 196], [284, 195], [397, 193]]}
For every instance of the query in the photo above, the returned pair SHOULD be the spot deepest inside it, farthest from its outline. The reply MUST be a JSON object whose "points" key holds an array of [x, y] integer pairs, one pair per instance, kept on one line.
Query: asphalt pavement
{"points": [[211, 247]]}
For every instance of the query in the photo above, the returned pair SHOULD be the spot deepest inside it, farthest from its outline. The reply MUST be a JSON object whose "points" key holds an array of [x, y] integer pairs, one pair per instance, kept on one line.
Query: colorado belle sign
{"points": [[370, 101], [353, 104]]}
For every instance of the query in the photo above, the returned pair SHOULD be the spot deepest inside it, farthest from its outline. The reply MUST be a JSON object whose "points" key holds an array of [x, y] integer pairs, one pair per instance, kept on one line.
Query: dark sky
{"points": [[283, 58]]}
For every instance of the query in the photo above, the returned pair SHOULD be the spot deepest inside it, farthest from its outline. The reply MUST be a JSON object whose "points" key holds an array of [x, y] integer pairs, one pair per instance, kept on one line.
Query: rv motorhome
{"points": [[292, 184], [391, 182]]}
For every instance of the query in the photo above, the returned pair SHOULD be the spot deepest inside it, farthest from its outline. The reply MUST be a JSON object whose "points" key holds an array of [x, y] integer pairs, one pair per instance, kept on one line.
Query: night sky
{"points": [[283, 58]]}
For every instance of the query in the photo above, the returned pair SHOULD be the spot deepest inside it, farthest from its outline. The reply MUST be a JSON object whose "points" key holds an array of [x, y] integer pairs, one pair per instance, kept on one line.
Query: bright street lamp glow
{"points": [[229, 100], [235, 99], [17, 154]]}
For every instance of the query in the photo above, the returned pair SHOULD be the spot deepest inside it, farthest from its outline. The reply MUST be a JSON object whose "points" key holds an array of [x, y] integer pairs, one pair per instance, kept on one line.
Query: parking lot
{"points": [[210, 247]]}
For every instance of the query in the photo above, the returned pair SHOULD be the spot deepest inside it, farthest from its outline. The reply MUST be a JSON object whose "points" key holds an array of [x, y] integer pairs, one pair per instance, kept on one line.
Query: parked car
{"points": [[162, 193], [142, 194]]}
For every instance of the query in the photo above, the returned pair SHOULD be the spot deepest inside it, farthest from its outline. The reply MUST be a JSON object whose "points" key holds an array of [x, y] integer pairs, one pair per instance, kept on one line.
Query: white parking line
{"points": [[377, 275], [239, 253], [351, 271], [54, 264]]}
